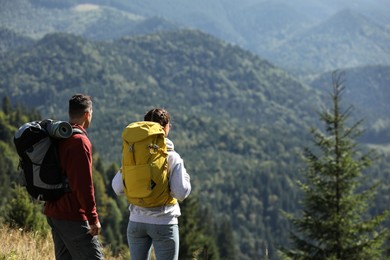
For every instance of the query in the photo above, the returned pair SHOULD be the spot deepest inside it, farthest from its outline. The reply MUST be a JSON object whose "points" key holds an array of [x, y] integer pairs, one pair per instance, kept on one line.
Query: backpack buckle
{"points": [[153, 148]]}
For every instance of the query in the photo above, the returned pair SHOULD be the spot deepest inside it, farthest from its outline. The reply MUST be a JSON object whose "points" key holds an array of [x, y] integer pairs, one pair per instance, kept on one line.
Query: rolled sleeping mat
{"points": [[59, 129]]}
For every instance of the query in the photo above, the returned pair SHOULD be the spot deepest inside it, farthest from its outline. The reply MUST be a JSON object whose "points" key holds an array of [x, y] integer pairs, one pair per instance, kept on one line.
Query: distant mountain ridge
{"points": [[93, 21], [344, 41], [297, 37], [273, 25], [281, 31]]}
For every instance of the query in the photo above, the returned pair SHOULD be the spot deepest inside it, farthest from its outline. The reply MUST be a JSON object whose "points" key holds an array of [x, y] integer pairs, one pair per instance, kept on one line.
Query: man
{"points": [[73, 218]]}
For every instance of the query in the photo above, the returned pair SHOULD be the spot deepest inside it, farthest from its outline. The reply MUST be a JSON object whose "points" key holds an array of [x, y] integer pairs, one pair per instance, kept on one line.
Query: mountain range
{"points": [[240, 117], [345, 40], [305, 38]]}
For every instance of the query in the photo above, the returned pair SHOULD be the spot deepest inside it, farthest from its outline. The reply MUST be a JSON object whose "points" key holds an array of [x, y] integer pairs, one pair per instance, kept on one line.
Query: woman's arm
{"points": [[179, 178], [117, 184]]}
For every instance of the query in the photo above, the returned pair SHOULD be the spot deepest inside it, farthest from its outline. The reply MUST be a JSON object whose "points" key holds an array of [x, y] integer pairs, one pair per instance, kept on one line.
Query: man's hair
{"points": [[79, 104], [158, 115]]}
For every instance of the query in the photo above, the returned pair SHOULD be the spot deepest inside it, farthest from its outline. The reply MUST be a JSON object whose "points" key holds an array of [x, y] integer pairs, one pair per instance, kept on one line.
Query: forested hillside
{"points": [[189, 72], [9, 39], [239, 122]]}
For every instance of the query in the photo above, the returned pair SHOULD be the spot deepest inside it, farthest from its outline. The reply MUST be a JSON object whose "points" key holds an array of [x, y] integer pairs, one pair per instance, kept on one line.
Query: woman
{"points": [[158, 225]]}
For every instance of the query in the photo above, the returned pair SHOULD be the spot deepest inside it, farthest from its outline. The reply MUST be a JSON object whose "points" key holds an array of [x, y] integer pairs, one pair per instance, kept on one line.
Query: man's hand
{"points": [[95, 229]]}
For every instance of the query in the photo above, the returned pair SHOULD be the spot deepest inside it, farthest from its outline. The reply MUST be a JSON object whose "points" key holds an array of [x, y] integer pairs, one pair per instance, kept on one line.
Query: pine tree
{"points": [[335, 223], [22, 212], [195, 240], [225, 240], [6, 104]]}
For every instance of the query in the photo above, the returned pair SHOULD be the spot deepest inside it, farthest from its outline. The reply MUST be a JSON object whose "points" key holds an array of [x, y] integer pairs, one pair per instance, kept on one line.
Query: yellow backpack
{"points": [[145, 165]]}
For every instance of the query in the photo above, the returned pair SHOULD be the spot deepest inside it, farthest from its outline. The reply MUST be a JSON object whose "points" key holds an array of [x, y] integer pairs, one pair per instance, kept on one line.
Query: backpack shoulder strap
{"points": [[77, 131]]}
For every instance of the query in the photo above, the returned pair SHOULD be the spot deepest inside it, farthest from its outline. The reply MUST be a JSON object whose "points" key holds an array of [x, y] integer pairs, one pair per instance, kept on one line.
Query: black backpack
{"points": [[36, 143]]}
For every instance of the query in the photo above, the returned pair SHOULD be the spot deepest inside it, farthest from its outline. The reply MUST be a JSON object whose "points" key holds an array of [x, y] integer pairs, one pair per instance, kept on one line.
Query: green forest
{"points": [[240, 124]]}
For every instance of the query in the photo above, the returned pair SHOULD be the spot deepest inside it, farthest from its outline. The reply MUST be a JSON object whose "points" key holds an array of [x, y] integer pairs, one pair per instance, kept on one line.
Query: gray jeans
{"points": [[72, 242], [165, 240]]}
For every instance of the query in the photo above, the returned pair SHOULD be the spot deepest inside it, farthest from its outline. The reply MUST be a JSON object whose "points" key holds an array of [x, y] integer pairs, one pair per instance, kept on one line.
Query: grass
{"points": [[17, 244]]}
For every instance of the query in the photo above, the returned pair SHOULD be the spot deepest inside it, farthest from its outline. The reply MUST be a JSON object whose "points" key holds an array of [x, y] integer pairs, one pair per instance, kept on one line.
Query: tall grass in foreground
{"points": [[19, 245]]}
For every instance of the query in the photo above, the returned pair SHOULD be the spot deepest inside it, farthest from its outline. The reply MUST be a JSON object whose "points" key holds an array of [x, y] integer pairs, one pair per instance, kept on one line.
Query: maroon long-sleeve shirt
{"points": [[76, 161]]}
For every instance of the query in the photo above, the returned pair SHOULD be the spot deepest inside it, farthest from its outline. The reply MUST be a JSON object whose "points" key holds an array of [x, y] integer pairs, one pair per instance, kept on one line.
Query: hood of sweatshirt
{"points": [[170, 145]]}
